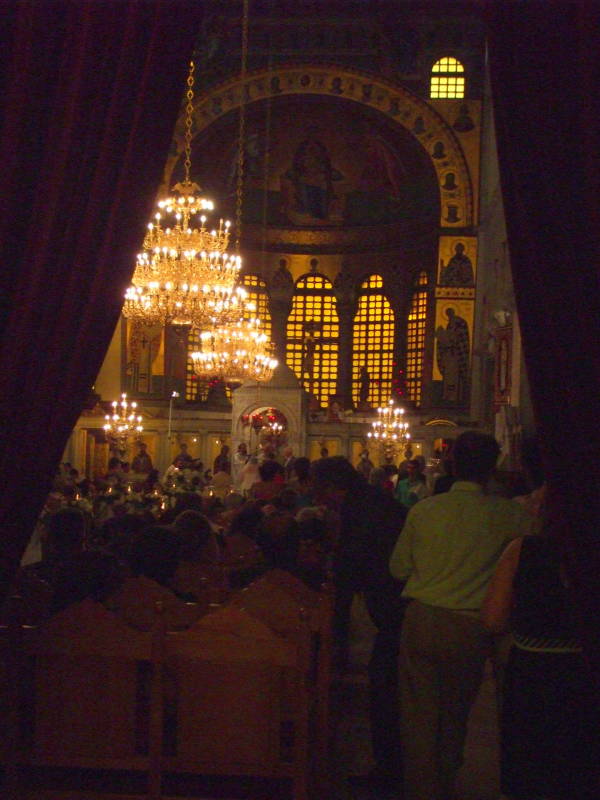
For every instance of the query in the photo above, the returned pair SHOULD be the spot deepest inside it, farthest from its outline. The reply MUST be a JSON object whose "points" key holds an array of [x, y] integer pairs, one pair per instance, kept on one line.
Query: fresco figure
{"points": [[459, 270], [453, 357], [463, 122], [312, 178]]}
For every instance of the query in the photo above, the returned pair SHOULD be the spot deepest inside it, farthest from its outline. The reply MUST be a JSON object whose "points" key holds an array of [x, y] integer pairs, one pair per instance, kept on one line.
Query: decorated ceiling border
{"points": [[393, 101]]}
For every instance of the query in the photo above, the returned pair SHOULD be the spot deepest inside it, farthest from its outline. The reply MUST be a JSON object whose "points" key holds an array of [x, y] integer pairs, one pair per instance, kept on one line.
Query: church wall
{"points": [[108, 382], [405, 191]]}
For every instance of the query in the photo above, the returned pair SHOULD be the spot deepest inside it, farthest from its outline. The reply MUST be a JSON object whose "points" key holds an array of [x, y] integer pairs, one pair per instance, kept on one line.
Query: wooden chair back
{"points": [[93, 689], [241, 702]]}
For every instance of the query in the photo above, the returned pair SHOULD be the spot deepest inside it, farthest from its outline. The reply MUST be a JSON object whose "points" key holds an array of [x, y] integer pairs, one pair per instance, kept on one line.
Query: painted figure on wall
{"points": [[453, 357], [383, 172], [311, 176], [145, 357], [463, 122], [459, 270]]}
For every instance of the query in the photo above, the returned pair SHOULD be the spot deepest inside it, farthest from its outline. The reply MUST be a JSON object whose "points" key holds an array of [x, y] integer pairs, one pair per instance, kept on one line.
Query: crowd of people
{"points": [[444, 565]]}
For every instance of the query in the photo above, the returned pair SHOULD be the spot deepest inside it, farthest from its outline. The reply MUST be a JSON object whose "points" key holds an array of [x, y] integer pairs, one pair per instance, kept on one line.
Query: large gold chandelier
{"points": [[390, 429], [184, 274], [235, 353]]}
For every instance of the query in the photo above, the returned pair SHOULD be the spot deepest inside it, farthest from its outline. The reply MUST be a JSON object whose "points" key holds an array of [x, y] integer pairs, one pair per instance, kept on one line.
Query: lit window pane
{"points": [[373, 342], [415, 339], [447, 79], [312, 336]]}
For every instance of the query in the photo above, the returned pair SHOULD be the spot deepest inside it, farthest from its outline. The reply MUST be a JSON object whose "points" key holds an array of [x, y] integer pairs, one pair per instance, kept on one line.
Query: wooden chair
{"points": [[135, 604], [92, 688], [318, 611], [242, 703]]}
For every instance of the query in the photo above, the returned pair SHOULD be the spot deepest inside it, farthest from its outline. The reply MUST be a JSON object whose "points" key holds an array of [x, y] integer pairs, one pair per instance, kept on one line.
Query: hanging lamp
{"points": [[237, 351], [184, 274]]}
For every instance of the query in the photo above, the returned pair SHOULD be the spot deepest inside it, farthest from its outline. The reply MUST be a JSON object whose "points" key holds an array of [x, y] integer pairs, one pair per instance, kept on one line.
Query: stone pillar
{"points": [[281, 291]]}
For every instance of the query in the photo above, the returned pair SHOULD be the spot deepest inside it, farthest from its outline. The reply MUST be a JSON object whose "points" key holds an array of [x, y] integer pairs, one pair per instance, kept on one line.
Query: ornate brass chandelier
{"points": [[235, 353], [122, 424], [184, 274], [390, 430]]}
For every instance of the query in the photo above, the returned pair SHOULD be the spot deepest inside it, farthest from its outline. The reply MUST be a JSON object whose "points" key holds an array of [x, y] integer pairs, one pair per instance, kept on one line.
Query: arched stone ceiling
{"points": [[393, 101]]}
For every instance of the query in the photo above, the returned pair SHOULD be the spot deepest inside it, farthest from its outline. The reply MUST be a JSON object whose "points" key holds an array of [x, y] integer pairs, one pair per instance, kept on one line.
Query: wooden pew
{"points": [[300, 614], [83, 675], [242, 703]]}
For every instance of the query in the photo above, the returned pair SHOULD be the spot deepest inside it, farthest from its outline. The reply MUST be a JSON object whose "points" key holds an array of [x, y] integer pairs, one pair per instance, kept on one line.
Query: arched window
{"points": [[258, 294], [415, 339], [373, 344], [447, 79], [312, 336]]}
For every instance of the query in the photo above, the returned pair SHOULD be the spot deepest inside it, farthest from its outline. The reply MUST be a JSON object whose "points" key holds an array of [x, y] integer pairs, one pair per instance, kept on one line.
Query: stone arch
{"points": [[392, 100]]}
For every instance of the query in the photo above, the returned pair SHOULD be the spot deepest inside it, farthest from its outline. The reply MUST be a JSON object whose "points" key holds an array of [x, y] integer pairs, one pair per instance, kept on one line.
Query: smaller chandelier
{"points": [[389, 429], [123, 423], [235, 353]]}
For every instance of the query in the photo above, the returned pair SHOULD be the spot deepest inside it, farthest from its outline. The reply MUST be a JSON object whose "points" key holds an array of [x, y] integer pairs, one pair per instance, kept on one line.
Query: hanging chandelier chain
{"points": [[189, 110], [242, 130]]}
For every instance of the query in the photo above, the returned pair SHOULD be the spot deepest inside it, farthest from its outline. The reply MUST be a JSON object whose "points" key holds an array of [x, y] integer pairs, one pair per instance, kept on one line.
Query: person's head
{"points": [[183, 448], [233, 500], [194, 532], [301, 468], [243, 448], [475, 455], [154, 553], [65, 531], [459, 249], [247, 522], [142, 447], [287, 500], [377, 476], [413, 469], [324, 452], [114, 463], [268, 469], [118, 533], [334, 477], [225, 450], [188, 501]]}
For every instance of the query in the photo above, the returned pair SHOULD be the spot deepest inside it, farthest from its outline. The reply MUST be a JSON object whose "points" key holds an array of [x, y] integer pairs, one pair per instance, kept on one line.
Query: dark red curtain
{"points": [[544, 59], [91, 92]]}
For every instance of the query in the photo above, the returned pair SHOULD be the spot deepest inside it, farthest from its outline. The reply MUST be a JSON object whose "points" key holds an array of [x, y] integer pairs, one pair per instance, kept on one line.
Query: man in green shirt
{"points": [[446, 553]]}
